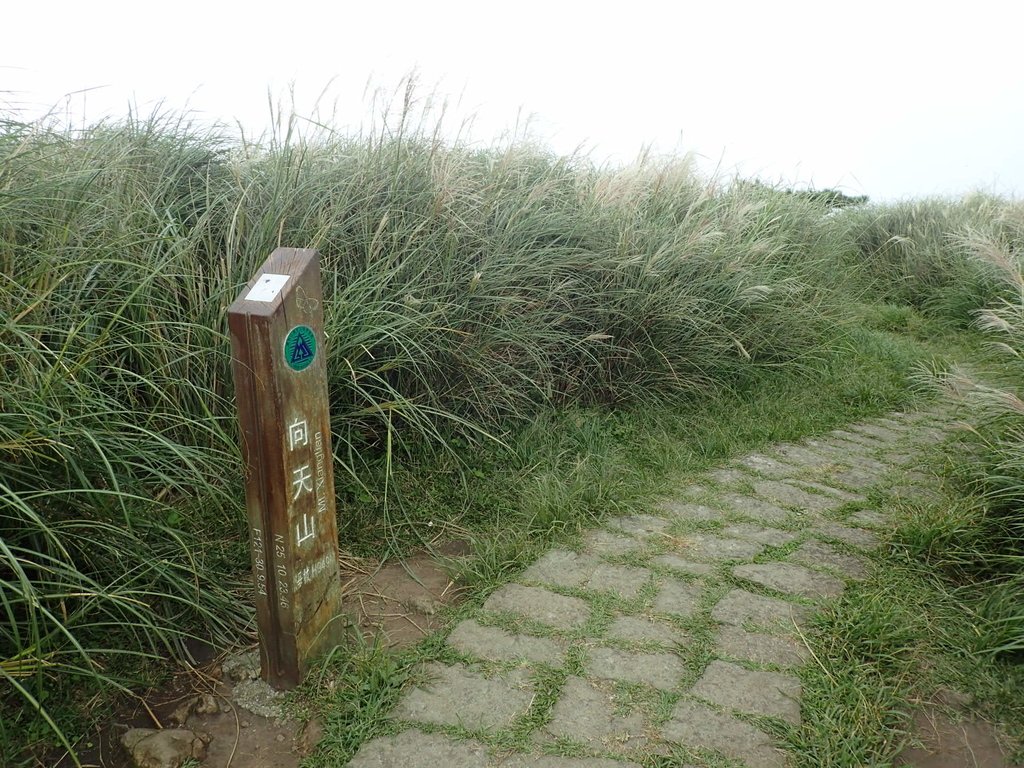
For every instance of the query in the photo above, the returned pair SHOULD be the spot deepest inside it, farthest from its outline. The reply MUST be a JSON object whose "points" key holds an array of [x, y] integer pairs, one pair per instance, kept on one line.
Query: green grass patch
{"points": [[888, 642]]}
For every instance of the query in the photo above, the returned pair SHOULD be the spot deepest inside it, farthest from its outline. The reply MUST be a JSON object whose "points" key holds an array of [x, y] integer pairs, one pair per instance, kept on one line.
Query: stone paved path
{"points": [[671, 638]]}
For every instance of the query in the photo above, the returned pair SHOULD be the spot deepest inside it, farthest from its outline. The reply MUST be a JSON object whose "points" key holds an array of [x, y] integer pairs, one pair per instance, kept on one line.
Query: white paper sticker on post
{"points": [[267, 287]]}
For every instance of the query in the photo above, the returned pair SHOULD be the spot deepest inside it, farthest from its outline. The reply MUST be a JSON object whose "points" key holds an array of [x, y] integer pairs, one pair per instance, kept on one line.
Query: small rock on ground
{"points": [[259, 698], [166, 748]]}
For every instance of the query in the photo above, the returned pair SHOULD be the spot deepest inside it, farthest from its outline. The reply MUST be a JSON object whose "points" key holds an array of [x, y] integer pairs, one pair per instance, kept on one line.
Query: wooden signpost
{"points": [[279, 365]]}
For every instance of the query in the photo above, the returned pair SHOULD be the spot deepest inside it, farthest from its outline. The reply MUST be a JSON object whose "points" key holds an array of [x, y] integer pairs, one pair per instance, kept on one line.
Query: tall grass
{"points": [[993, 409], [109, 427], [466, 291], [914, 252], [960, 261]]}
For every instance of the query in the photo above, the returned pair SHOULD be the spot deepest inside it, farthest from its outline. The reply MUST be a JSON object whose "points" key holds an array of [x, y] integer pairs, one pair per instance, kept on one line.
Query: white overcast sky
{"points": [[890, 99]]}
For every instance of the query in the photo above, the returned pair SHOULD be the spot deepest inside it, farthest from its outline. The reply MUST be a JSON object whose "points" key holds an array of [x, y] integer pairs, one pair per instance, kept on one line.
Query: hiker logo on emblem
{"points": [[300, 347]]}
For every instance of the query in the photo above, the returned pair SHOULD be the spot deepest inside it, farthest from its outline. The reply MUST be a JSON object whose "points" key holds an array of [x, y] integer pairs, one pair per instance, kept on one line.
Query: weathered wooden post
{"points": [[279, 364]]}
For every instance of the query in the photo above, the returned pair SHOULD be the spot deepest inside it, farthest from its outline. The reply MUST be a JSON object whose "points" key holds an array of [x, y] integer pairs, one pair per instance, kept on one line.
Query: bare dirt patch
{"points": [[950, 737], [395, 603], [398, 603]]}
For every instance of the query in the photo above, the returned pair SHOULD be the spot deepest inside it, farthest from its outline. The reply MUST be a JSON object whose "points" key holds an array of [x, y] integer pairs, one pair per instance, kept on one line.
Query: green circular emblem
{"points": [[300, 348]]}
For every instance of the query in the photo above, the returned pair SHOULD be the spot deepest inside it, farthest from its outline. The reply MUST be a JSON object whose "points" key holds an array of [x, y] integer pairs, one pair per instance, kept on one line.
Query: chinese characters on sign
{"points": [[302, 479]]}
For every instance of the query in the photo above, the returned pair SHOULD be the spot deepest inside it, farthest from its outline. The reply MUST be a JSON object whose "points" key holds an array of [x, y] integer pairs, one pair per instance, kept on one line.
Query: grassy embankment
{"points": [[520, 344]]}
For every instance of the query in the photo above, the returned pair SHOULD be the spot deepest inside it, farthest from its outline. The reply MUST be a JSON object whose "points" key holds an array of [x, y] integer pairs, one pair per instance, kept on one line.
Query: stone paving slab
{"points": [[805, 457], [603, 542], [494, 644], [884, 434], [687, 510], [678, 598], [623, 580], [817, 554], [640, 629], [867, 518], [546, 607], [658, 670], [856, 477], [682, 565], [562, 568], [757, 509], [842, 451], [550, 761], [788, 495], [891, 423], [691, 491], [752, 692], [771, 537], [858, 439], [849, 454], [828, 490], [710, 546], [790, 578], [586, 713], [729, 477], [697, 725], [740, 607], [780, 650], [456, 695], [413, 749], [641, 526], [855, 537], [866, 452], [768, 466]]}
